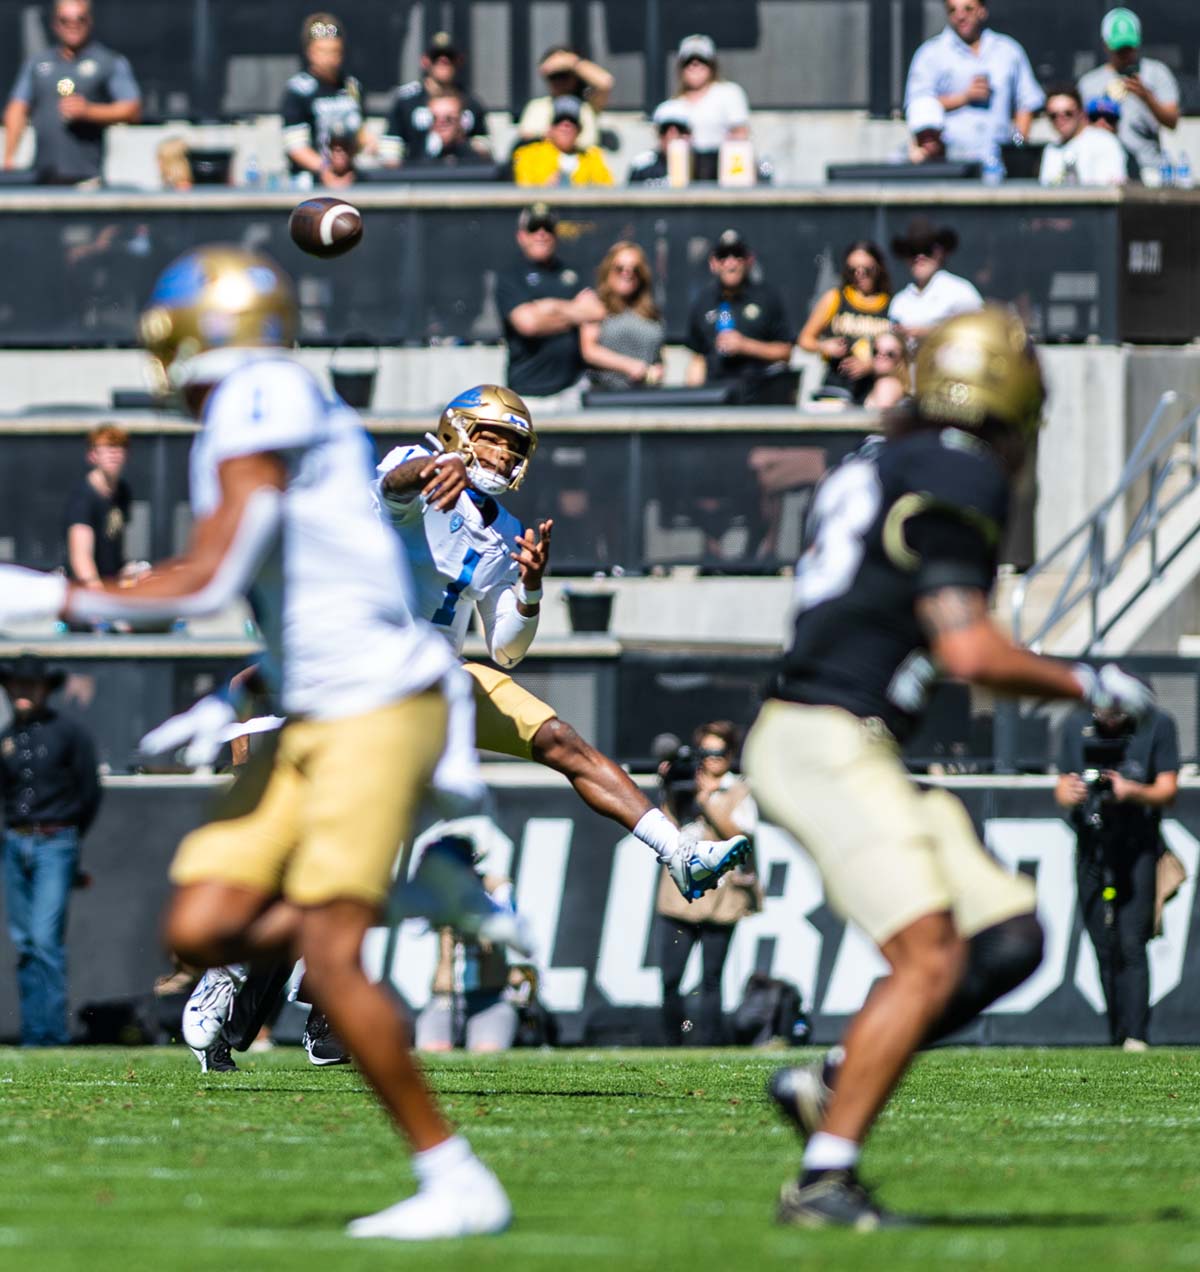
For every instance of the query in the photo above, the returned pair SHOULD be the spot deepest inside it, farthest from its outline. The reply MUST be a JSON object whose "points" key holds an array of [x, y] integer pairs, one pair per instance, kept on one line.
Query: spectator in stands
{"points": [[341, 151], [1105, 116], [72, 92], [891, 380], [1083, 154], [559, 159], [567, 73], [624, 349], [718, 109], [1144, 89], [982, 79], [926, 120], [934, 294], [318, 98], [701, 790], [737, 327], [98, 510], [543, 307], [673, 122], [847, 318], [410, 131], [174, 165], [449, 145], [51, 795]]}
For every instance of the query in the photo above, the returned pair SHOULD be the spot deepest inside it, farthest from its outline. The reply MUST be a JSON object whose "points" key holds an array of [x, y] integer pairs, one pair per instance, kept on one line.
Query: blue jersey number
{"points": [[445, 615]]}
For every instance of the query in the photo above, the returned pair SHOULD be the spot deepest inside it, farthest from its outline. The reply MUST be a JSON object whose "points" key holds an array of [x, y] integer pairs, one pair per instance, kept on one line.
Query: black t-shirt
{"points": [[1152, 748], [758, 312], [410, 121], [311, 109], [539, 365], [895, 520], [108, 516]]}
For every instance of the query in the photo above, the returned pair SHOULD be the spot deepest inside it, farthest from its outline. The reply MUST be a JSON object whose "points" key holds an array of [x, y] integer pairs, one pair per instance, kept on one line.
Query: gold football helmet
{"points": [[980, 366], [493, 407], [216, 297]]}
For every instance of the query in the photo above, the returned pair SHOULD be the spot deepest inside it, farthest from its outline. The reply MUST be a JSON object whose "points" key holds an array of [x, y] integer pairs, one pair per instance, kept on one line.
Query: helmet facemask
{"points": [[485, 479]]}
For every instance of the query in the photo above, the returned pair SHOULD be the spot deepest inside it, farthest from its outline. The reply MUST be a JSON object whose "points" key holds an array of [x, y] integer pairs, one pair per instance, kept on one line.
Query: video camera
{"points": [[1100, 756]]}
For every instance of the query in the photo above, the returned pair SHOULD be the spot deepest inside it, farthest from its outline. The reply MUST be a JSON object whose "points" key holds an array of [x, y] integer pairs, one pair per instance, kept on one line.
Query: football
{"points": [[325, 227]]}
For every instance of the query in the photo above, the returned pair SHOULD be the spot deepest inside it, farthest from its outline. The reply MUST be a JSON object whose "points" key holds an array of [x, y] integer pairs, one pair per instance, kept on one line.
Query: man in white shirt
{"points": [[299, 854], [934, 293], [468, 553], [982, 79], [1083, 154]]}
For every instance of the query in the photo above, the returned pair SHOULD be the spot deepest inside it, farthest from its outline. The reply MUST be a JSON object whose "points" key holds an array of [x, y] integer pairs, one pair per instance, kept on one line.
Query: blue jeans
{"points": [[38, 873]]}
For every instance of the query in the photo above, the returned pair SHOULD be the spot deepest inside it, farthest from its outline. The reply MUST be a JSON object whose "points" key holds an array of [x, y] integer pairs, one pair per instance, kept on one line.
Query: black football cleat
{"points": [[802, 1095], [216, 1059], [322, 1044], [834, 1199]]}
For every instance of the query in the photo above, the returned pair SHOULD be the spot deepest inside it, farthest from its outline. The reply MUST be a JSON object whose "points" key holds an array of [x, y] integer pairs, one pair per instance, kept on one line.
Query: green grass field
{"points": [[622, 1160]]}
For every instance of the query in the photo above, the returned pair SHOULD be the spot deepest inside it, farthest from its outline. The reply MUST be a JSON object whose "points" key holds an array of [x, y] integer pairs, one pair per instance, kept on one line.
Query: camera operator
{"points": [[700, 792], [1117, 774]]}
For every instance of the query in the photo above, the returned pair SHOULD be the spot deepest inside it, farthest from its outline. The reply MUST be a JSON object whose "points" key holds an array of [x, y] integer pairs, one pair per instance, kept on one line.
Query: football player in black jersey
{"points": [[892, 591]]}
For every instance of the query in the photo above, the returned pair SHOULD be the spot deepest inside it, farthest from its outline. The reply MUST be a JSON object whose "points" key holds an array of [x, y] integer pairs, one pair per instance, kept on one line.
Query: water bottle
{"points": [[993, 169], [252, 174], [1183, 171], [1166, 171]]}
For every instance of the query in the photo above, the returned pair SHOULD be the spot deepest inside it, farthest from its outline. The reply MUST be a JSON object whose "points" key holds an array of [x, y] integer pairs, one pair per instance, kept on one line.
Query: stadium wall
{"points": [[590, 891]]}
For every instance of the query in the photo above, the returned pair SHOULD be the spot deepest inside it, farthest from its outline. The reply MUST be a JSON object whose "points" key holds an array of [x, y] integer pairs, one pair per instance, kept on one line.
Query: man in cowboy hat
{"points": [[51, 794], [934, 294]]}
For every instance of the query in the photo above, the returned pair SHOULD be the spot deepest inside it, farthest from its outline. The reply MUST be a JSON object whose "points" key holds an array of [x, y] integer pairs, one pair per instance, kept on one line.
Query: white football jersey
{"points": [[333, 598], [458, 558]]}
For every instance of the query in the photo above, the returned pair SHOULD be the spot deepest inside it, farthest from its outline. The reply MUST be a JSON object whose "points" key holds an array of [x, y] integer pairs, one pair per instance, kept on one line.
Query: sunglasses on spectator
{"points": [[712, 753], [726, 253], [1062, 114], [536, 225], [623, 269], [62, 20], [452, 118], [872, 268], [893, 355], [692, 61]]}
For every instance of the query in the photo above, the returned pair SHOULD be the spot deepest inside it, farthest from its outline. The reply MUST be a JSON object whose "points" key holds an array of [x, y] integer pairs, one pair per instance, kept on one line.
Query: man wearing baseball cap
{"points": [[409, 130], [1144, 88]]}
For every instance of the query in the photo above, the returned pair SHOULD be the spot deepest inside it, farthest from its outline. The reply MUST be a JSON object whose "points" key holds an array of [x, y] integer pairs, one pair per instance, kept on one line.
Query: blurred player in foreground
{"points": [[299, 854], [892, 589], [466, 551]]}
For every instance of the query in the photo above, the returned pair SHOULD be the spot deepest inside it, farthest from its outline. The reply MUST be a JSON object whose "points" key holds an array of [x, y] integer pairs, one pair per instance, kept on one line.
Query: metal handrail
{"points": [[1092, 567]]}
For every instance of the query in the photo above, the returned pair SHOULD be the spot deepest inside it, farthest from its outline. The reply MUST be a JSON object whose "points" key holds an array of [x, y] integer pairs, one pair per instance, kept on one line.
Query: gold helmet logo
{"points": [[979, 367], [496, 409]]}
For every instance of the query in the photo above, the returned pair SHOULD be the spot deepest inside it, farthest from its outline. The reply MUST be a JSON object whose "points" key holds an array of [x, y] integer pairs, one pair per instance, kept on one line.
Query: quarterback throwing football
{"points": [[466, 551]]}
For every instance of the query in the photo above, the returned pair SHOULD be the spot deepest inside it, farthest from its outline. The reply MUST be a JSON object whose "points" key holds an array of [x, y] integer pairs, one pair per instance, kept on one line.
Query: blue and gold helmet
{"points": [[216, 297], [497, 409]]}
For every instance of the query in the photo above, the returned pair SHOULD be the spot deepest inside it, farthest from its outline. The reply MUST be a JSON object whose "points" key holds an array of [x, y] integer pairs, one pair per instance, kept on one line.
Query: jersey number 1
{"points": [[445, 614]]}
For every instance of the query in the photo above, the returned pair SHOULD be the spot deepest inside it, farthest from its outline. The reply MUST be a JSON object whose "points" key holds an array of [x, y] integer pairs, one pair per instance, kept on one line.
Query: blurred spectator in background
{"points": [[889, 369], [318, 98], [1083, 153], [567, 73], [98, 510], [673, 122], [846, 319], [926, 120], [72, 91], [624, 349], [701, 791], [449, 145], [1104, 115], [341, 153], [718, 109], [982, 79], [174, 166], [410, 131], [737, 327], [934, 294], [51, 796], [1142, 87], [559, 159], [543, 308]]}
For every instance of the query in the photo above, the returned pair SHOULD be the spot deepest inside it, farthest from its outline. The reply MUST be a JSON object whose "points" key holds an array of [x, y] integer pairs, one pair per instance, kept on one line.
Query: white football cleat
{"points": [[696, 865], [466, 1202], [209, 1006]]}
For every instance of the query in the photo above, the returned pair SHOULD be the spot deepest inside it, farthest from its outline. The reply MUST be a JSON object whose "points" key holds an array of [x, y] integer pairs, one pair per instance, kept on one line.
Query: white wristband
{"points": [[527, 596]]}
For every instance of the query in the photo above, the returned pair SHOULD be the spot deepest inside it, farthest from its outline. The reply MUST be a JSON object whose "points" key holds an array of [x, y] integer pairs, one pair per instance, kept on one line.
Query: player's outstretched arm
{"points": [[440, 478]]}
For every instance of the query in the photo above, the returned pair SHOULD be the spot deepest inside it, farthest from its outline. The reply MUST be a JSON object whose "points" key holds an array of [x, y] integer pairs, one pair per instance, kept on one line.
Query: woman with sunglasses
{"points": [[624, 349], [718, 109], [889, 368], [719, 797], [847, 318]]}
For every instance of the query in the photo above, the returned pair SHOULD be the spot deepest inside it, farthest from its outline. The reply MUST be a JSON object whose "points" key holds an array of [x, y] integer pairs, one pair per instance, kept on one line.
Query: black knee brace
{"points": [[998, 959]]}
